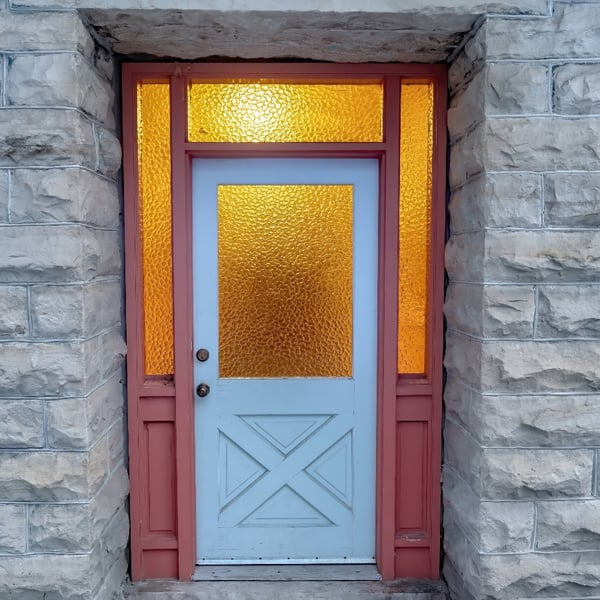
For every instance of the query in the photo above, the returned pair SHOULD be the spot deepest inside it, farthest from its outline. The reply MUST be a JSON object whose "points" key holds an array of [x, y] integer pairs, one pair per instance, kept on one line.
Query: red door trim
{"points": [[161, 425]]}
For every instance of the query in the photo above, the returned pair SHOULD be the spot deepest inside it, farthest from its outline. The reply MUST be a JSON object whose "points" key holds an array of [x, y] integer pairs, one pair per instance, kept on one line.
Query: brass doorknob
{"points": [[202, 390]]}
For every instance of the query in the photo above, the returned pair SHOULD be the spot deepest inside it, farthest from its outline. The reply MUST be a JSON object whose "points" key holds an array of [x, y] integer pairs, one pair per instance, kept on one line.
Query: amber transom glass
{"points": [[154, 172], [285, 280], [416, 151], [285, 112]]}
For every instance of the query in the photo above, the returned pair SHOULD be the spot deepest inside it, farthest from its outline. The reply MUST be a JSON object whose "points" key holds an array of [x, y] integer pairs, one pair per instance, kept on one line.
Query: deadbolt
{"points": [[202, 390], [202, 354]]}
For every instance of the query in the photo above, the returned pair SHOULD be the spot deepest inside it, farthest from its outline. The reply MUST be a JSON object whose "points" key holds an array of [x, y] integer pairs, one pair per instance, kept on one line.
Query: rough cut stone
{"points": [[508, 474], [463, 454], [116, 443], [469, 61], [109, 499], [467, 157], [516, 88], [577, 89], [572, 199], [569, 525], [506, 526], [41, 369], [14, 322], [560, 575], [467, 107], [462, 503], [59, 80], [63, 195], [114, 350], [113, 582], [21, 424], [569, 311], [497, 200], [45, 137], [62, 528], [13, 533], [551, 421], [503, 311], [458, 248], [75, 310], [3, 192], [46, 31], [101, 250], [109, 152]]}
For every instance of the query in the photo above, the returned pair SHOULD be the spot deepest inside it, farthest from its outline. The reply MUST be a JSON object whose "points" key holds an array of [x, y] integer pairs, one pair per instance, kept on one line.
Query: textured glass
{"points": [[285, 280], [154, 165], [416, 147], [279, 112]]}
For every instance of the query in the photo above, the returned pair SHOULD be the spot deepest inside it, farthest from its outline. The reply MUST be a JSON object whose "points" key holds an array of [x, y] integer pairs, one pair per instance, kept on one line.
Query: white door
{"points": [[285, 290]]}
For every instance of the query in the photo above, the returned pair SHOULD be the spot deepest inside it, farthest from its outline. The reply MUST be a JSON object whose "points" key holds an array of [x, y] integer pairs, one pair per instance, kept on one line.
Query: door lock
{"points": [[202, 390], [202, 354]]}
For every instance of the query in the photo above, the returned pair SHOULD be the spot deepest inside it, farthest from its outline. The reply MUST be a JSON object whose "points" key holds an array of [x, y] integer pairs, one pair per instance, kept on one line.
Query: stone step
{"points": [[400, 589]]}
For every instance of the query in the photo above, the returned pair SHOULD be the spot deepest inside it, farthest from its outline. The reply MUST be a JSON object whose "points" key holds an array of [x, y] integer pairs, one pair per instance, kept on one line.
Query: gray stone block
{"points": [[467, 106], [58, 254], [463, 454], [538, 575], [506, 526], [3, 191], [568, 311], [577, 89], [75, 311], [21, 424], [14, 322], [114, 350], [48, 31], [516, 88], [468, 63], [462, 504], [550, 421], [113, 581], [503, 311], [117, 450], [508, 474], [468, 156], [60, 528], [497, 200], [63, 195], [59, 80], [109, 152], [458, 249], [77, 423], [572, 199], [13, 534], [45, 137], [568, 525]]}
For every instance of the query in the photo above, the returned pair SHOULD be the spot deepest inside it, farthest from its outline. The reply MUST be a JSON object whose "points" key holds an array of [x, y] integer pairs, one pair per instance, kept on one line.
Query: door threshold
{"points": [[321, 572]]}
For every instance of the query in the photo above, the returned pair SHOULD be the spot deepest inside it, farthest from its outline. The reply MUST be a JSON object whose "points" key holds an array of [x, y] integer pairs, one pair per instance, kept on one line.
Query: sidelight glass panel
{"points": [[416, 151], [285, 280], [281, 112], [154, 166]]}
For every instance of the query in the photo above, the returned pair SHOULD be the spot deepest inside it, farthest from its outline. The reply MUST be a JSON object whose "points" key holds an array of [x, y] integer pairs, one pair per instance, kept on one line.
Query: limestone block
{"points": [[540, 144], [13, 534], [64, 195], [468, 156], [467, 107], [462, 503], [42, 369], [59, 80], [577, 89], [101, 253], [50, 576], [48, 31], [536, 421], [464, 257], [508, 474], [60, 528], [506, 526], [77, 423], [574, 32], [569, 525], [109, 152], [97, 466], [490, 311], [516, 88], [21, 424], [455, 582], [497, 200], [115, 537], [572, 199], [108, 501], [75, 311], [14, 322], [114, 350], [531, 366], [463, 454], [113, 581], [45, 137], [469, 62], [455, 544], [569, 311], [463, 359], [539, 575], [457, 403], [3, 193], [116, 444], [44, 476], [541, 255]]}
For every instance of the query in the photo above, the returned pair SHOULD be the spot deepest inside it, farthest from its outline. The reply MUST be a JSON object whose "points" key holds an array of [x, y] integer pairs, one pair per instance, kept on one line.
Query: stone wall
{"points": [[63, 484], [522, 434]]}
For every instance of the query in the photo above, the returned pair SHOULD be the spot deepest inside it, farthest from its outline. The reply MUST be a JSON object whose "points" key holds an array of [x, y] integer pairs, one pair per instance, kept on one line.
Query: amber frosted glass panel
{"points": [[269, 112], [285, 280], [416, 147], [154, 164]]}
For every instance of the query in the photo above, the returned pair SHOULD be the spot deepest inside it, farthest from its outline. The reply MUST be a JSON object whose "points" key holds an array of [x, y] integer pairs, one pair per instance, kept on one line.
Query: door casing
{"points": [[409, 409]]}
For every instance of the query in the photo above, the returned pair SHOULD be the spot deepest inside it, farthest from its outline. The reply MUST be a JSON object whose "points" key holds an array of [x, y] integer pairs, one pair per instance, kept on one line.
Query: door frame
{"points": [[160, 410]]}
